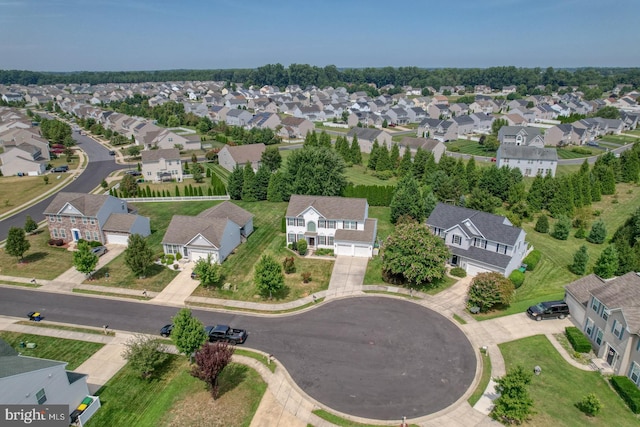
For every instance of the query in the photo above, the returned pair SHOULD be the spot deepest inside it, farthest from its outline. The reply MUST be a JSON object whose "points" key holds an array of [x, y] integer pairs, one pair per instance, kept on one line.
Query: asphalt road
{"points": [[372, 357], [100, 165]]}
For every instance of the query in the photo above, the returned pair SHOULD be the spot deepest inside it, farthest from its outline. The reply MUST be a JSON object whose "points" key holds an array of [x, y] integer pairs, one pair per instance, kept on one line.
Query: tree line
{"points": [[307, 75]]}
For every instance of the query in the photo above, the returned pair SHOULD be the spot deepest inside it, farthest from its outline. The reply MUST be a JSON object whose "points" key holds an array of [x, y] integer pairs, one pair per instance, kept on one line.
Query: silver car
{"points": [[99, 250]]}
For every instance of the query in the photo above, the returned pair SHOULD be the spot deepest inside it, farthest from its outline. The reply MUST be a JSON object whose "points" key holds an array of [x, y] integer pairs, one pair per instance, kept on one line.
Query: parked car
{"points": [[112, 153], [165, 331], [60, 169], [593, 143], [226, 333], [99, 250], [133, 173], [548, 310]]}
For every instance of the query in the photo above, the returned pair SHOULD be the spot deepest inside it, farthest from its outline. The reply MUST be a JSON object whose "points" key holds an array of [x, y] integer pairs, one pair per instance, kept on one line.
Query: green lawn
{"points": [[547, 281], [17, 190], [557, 389], [119, 275], [343, 422], [620, 139], [360, 175], [177, 398], [40, 261], [484, 380], [222, 173], [74, 352], [564, 153], [470, 147]]}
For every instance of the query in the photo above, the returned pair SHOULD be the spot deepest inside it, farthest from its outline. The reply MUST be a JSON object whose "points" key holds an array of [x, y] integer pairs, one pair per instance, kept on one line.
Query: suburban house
{"points": [[295, 127], [231, 155], [337, 223], [264, 120], [519, 135], [161, 165], [564, 134], [433, 146], [237, 117], [99, 217], [367, 136], [530, 160], [28, 380], [216, 231], [479, 241], [24, 159], [608, 313]]}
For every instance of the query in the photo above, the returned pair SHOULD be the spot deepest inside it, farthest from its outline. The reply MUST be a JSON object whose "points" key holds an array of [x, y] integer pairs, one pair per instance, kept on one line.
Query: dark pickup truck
{"points": [[226, 333]]}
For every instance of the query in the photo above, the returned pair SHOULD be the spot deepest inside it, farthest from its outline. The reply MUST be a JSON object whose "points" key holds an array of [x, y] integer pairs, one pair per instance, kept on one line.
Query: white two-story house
{"points": [[608, 313], [530, 160], [479, 241], [337, 223], [161, 165]]}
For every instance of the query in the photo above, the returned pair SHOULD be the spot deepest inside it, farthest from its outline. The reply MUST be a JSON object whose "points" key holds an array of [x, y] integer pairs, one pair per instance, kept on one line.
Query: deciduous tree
{"points": [[145, 354], [17, 243], [490, 290], [30, 225], [188, 332], [514, 406], [84, 260], [210, 361], [138, 256], [209, 272], [268, 276]]}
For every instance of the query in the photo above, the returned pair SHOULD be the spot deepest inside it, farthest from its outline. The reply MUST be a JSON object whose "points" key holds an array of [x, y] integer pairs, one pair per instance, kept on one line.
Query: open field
{"points": [[41, 261], [176, 398], [17, 190], [71, 351], [560, 386], [470, 147]]}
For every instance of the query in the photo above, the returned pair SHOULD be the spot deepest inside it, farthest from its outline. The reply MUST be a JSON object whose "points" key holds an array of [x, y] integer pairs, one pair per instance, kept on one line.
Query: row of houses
{"points": [[24, 150]]}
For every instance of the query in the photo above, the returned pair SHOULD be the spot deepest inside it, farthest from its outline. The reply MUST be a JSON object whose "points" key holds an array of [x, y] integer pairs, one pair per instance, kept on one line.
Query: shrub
{"points": [[324, 251], [458, 272], [168, 259], [178, 256], [383, 175], [598, 232], [517, 277], [578, 341], [289, 265], [306, 277], [579, 150], [302, 247], [532, 259], [176, 266], [542, 225], [490, 289], [293, 246], [562, 228], [454, 149], [590, 405], [581, 233], [56, 242], [628, 392], [283, 225]]}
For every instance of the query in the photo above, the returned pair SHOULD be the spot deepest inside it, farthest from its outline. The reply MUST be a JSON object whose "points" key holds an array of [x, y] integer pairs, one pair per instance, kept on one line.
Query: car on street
{"points": [[593, 143], [60, 169], [548, 310], [226, 333], [133, 173], [165, 331], [99, 250], [112, 153]]}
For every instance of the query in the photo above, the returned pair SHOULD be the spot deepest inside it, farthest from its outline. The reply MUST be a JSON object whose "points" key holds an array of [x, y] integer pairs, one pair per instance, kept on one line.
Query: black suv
{"points": [[549, 309]]}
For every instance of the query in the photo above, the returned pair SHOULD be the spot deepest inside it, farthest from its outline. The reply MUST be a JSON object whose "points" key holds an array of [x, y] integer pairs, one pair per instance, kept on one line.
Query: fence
{"points": [[174, 199]]}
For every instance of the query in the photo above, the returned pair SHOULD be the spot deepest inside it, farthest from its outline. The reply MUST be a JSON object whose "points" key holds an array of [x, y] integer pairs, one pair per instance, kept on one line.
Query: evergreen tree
{"points": [[607, 264], [405, 164], [235, 183], [561, 228], [383, 162], [249, 184], [311, 139], [373, 156], [356, 154], [472, 173], [598, 232], [430, 202], [562, 200], [420, 164], [262, 182], [586, 188], [271, 158], [342, 148], [138, 256], [394, 157], [629, 166], [406, 201], [177, 192], [277, 191], [580, 261], [324, 140], [596, 190]]}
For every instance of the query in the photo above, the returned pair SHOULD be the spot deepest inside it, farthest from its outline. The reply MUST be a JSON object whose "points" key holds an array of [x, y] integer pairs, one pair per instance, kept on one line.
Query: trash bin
{"points": [[22, 344]]}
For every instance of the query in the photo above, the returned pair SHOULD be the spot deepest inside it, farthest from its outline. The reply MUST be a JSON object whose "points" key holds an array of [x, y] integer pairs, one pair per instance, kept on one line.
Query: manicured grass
{"points": [[547, 281], [170, 187], [249, 310], [470, 147], [336, 420], [360, 175], [41, 261], [177, 398], [459, 319], [17, 190], [65, 328], [120, 276], [259, 357], [74, 352], [222, 173], [383, 215], [484, 380], [564, 153], [557, 389], [621, 139]]}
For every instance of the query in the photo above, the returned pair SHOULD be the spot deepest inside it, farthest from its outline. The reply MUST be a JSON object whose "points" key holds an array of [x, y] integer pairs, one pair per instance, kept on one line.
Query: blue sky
{"points": [[73, 35]]}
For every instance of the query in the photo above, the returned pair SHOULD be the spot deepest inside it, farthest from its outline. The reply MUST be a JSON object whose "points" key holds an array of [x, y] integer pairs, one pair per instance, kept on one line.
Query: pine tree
{"points": [[373, 156], [356, 154], [394, 157], [406, 201], [249, 185], [607, 264], [405, 164], [383, 163], [324, 140], [542, 225], [562, 200], [598, 233], [472, 173], [276, 191], [580, 261], [262, 182], [420, 164], [561, 228], [177, 193], [235, 183], [311, 139]]}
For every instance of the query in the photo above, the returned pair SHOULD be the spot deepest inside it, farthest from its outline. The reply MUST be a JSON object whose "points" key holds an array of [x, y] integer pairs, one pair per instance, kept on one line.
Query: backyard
{"points": [[465, 146], [41, 261], [74, 352], [560, 386], [177, 399]]}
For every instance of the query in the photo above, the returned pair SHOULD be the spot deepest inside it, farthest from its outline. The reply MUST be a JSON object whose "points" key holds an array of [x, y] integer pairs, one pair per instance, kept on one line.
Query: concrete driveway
{"points": [[347, 276]]}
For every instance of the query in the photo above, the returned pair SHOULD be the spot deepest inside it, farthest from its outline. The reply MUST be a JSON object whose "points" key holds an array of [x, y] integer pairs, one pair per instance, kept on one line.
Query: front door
{"points": [[611, 356], [76, 234], [312, 242], [454, 260]]}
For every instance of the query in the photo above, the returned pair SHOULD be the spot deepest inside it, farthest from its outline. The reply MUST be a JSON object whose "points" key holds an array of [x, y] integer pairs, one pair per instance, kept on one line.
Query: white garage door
{"points": [[117, 239], [345, 249], [196, 255], [473, 269], [362, 251]]}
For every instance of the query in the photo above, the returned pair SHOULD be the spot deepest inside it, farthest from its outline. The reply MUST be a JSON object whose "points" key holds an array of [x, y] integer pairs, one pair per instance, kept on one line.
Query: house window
{"points": [[588, 327], [540, 171], [480, 243], [55, 233], [291, 237], [84, 220], [350, 225], [605, 312], [300, 222], [322, 240], [501, 248], [52, 218], [322, 223], [96, 236], [59, 218], [330, 240], [598, 336], [456, 239], [41, 397], [92, 221], [148, 173], [527, 172], [63, 233], [634, 373], [291, 221], [87, 235], [617, 329], [331, 224], [73, 220], [311, 226], [595, 304]]}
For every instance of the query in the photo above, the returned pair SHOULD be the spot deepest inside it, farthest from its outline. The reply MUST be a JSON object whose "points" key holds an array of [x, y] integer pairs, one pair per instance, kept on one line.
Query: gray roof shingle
{"points": [[526, 152], [87, 204], [228, 210], [150, 156], [367, 235], [329, 207], [182, 229]]}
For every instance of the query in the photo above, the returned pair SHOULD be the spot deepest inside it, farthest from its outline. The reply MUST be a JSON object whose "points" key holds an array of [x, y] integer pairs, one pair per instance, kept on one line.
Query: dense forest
{"points": [[305, 75]]}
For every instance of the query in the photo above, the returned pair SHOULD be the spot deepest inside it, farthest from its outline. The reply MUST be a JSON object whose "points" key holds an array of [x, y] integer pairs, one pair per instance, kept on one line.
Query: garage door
{"points": [[473, 269], [362, 251], [345, 249], [117, 239], [196, 255]]}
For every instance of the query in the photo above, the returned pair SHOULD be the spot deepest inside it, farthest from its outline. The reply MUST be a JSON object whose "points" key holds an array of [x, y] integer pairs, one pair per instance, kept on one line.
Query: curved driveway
{"points": [[372, 357], [100, 165]]}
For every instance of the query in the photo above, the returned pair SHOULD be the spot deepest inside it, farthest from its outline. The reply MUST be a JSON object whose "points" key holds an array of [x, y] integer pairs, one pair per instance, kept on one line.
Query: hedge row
{"points": [[532, 259], [517, 278], [578, 341], [628, 391], [376, 195]]}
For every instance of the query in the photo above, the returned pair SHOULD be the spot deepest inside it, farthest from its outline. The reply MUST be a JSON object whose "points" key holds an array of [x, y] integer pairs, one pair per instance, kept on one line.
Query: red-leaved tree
{"points": [[210, 360]]}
